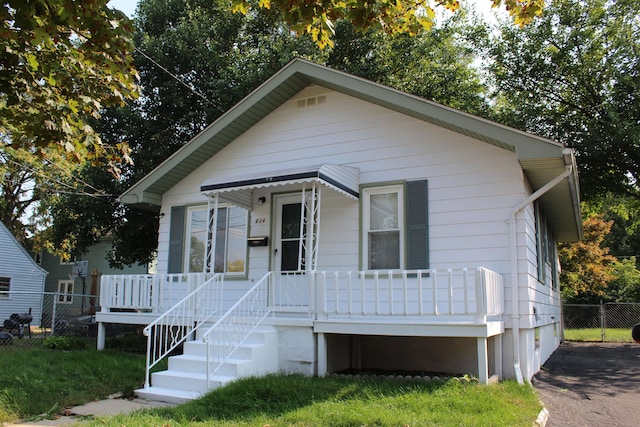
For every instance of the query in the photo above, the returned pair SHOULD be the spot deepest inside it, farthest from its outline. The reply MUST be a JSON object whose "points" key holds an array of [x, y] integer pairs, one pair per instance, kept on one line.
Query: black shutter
{"points": [[417, 225], [176, 238]]}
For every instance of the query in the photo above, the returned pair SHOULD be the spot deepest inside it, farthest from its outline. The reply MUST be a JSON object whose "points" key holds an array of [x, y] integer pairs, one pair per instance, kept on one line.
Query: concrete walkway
{"points": [[111, 406]]}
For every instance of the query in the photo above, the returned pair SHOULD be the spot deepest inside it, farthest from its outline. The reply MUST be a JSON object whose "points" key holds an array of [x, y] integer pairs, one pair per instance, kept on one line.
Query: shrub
{"points": [[65, 343]]}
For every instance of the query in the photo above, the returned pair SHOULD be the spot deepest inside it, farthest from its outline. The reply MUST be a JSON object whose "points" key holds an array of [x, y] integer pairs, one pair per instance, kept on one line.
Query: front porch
{"points": [[453, 296], [454, 303]]}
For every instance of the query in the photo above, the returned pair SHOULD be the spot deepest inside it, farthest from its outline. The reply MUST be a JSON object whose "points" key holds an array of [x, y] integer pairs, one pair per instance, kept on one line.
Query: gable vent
{"points": [[309, 102]]}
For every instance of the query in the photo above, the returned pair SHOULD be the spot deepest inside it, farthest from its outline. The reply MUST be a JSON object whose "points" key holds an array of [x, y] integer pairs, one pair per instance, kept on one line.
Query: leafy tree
{"points": [[625, 287], [221, 57], [424, 65], [623, 240], [587, 267], [195, 59], [62, 62], [574, 76], [319, 18]]}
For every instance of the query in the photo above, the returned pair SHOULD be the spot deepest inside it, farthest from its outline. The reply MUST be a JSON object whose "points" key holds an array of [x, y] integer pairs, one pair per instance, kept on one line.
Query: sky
{"points": [[127, 6]]}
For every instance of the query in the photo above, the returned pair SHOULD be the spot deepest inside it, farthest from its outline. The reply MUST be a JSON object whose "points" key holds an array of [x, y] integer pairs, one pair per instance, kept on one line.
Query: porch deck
{"points": [[420, 303]]}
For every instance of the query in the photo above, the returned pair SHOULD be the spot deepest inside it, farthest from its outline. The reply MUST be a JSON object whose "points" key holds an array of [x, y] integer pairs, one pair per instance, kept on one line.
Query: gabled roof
{"points": [[541, 159], [18, 246]]}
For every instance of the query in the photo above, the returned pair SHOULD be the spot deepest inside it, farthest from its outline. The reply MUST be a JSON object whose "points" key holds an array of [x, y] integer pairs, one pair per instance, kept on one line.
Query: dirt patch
{"points": [[591, 384]]}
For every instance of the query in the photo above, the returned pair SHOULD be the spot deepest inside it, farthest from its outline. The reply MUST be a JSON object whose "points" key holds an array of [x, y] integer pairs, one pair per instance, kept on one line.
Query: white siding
{"points": [[472, 185], [27, 279]]}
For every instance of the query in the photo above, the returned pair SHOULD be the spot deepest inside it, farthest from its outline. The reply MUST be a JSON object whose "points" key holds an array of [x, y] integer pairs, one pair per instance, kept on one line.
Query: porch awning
{"points": [[343, 179]]}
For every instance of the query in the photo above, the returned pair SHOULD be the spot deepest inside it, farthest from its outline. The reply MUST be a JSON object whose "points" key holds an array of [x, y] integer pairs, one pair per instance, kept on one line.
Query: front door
{"points": [[291, 288], [289, 234]]}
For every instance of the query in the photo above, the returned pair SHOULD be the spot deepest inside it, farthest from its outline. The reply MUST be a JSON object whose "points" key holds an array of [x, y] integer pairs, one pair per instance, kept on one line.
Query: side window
{"points": [[383, 226], [5, 287], [546, 248], [65, 291], [69, 260], [231, 240]]}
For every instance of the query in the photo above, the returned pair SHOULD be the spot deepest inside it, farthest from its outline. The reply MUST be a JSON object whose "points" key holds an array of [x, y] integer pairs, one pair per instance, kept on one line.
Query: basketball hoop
{"points": [[79, 269]]}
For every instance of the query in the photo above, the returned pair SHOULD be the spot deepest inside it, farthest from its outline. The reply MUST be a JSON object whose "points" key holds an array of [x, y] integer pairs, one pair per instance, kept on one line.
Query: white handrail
{"points": [[233, 328], [182, 320]]}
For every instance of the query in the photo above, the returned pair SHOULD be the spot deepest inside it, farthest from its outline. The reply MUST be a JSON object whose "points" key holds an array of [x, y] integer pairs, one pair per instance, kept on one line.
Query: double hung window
{"points": [[230, 240], [395, 227], [5, 287], [65, 291], [384, 222], [547, 255]]}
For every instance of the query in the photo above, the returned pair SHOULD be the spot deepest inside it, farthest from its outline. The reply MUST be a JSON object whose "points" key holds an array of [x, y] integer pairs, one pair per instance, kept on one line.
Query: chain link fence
{"points": [[600, 322], [73, 315], [57, 315]]}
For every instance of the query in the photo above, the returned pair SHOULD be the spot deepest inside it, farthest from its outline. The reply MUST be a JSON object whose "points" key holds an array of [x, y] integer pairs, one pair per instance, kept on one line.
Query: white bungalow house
{"points": [[21, 284], [330, 224]]}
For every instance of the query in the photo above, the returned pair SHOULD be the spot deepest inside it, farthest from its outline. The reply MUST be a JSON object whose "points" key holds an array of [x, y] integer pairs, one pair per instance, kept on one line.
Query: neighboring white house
{"points": [[365, 229], [21, 280]]}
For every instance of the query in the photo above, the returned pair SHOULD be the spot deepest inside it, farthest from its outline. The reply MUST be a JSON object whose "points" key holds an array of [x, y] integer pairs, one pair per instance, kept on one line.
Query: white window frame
{"points": [[5, 287], [366, 221], [187, 240], [189, 230], [65, 291], [546, 249]]}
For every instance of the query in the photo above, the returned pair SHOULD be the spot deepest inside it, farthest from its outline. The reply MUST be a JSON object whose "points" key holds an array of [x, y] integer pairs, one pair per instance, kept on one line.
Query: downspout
{"points": [[515, 314]]}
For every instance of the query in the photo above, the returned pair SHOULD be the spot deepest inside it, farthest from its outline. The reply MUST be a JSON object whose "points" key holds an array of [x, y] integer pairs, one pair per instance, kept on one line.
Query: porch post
{"points": [[309, 227], [303, 228], [101, 335], [497, 351], [314, 235], [322, 355], [483, 360], [210, 256]]}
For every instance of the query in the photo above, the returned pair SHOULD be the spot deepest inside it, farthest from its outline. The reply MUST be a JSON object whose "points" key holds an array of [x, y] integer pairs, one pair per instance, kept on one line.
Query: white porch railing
{"points": [[235, 326], [147, 292], [475, 292], [173, 327], [440, 293]]}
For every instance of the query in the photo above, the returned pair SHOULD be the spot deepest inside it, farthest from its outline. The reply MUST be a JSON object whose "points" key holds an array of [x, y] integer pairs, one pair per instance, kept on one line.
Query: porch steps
{"points": [[186, 377]]}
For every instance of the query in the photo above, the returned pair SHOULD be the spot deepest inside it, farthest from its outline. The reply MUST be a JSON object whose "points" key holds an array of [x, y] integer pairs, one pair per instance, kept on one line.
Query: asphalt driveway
{"points": [[591, 384]]}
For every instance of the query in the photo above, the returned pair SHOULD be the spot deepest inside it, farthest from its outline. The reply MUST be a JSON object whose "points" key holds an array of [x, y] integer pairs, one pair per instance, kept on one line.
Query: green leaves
{"points": [[574, 76], [317, 18], [61, 63]]}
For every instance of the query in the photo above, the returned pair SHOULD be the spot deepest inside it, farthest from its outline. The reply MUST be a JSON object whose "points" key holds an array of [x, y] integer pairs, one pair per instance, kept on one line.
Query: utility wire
{"points": [[64, 184], [178, 79]]}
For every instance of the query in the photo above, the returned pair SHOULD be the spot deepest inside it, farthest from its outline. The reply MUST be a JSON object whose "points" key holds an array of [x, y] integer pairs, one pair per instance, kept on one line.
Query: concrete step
{"points": [[169, 395], [199, 348], [236, 366], [185, 379], [189, 381]]}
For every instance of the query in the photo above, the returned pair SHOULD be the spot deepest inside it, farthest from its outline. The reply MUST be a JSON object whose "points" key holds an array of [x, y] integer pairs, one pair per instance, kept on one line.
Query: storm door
{"points": [[289, 251], [292, 240]]}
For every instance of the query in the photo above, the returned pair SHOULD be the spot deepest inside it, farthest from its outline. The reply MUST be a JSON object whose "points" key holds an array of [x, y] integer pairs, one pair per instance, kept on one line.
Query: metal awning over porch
{"points": [[238, 191]]}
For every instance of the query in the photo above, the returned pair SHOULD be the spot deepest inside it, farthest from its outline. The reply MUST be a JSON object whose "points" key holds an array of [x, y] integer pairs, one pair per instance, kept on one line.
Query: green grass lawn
{"points": [[41, 383], [295, 400], [36, 381], [595, 334]]}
